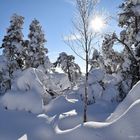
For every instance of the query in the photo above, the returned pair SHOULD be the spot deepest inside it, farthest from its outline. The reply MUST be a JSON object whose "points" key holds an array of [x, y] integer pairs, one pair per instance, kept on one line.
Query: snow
{"points": [[21, 125], [2, 63], [24, 137], [60, 80], [136, 9], [62, 119], [23, 101], [126, 64], [127, 102], [27, 93], [27, 117], [95, 75], [30, 88], [110, 93], [113, 78], [135, 2], [124, 128], [24, 81], [42, 103], [94, 92]]}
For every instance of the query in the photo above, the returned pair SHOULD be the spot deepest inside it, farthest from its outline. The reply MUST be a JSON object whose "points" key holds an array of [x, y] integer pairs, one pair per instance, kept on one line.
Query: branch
{"points": [[72, 48], [127, 47]]}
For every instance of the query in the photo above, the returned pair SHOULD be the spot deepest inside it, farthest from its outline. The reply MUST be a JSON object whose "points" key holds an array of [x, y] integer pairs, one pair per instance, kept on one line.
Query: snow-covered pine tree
{"points": [[25, 54], [4, 75], [112, 59], [66, 62], [129, 20], [97, 60], [37, 52], [12, 46]]}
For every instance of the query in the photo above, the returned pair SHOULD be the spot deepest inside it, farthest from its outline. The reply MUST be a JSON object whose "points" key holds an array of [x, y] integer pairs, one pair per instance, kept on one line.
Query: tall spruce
{"points": [[37, 51], [12, 46]]}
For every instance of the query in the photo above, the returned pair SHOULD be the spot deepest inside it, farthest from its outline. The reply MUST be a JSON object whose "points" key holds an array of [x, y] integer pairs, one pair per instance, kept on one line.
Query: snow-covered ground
{"points": [[61, 119]]}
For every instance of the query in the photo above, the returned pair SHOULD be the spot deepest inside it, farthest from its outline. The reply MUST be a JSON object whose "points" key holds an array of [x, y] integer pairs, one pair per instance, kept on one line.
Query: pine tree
{"points": [[112, 59], [129, 20], [37, 52], [97, 60], [12, 46], [4, 75], [66, 62]]}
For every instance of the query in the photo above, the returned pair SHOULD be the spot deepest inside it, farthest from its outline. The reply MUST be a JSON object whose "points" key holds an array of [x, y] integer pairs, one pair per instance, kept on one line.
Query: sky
{"points": [[55, 17]]}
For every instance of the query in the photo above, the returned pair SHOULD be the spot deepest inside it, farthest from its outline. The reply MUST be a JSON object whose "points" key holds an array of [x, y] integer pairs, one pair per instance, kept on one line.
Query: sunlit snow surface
{"points": [[62, 120]]}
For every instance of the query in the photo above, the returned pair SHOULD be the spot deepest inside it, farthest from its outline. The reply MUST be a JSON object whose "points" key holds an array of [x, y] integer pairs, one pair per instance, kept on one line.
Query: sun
{"points": [[97, 24]]}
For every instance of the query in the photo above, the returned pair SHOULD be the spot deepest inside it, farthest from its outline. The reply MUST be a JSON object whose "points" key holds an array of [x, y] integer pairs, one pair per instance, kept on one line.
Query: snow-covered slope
{"points": [[125, 127], [132, 96], [124, 123]]}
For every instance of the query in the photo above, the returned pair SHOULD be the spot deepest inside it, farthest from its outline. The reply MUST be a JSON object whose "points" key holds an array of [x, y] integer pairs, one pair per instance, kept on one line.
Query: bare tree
{"points": [[83, 38]]}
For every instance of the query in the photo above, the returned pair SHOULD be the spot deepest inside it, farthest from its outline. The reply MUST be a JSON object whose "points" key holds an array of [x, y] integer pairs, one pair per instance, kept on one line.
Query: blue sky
{"points": [[55, 17]]}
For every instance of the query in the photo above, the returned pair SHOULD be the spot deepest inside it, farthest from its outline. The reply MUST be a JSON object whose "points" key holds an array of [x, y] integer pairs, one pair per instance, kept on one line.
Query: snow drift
{"points": [[122, 125], [132, 96], [54, 126], [28, 92], [124, 128]]}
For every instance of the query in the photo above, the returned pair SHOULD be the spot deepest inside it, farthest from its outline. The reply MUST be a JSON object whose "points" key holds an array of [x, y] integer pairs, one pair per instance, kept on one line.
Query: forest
{"points": [[101, 102]]}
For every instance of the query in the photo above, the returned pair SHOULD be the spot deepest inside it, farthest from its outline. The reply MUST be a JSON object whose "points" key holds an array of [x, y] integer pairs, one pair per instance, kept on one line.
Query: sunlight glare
{"points": [[97, 24]]}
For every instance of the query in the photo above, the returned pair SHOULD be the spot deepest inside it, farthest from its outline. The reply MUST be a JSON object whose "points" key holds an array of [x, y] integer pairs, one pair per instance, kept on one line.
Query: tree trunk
{"points": [[86, 90], [69, 75], [136, 24]]}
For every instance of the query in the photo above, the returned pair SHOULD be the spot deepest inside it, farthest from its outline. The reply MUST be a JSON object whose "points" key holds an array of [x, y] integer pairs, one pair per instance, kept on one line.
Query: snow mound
{"points": [[114, 79], [28, 92], [59, 105], [21, 125], [95, 75], [110, 93], [21, 101], [29, 79], [60, 80], [64, 120], [131, 97], [94, 92], [124, 128]]}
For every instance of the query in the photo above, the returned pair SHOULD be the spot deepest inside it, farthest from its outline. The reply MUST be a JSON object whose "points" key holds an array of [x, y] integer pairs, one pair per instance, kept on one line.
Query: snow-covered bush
{"points": [[102, 86], [28, 85], [60, 80], [111, 83], [34, 89], [94, 92], [110, 93], [95, 75], [95, 89], [97, 60]]}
